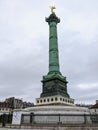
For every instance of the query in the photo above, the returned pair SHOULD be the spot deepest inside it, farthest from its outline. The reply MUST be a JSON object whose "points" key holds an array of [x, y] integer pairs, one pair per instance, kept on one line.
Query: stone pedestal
{"points": [[52, 115], [54, 100]]}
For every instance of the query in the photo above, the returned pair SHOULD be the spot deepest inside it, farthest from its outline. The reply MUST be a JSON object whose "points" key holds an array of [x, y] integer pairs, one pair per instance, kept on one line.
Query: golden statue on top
{"points": [[52, 8]]}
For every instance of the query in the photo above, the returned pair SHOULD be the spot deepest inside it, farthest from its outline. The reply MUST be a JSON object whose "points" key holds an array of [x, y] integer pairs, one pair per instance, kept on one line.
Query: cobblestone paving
{"points": [[30, 129], [21, 129]]}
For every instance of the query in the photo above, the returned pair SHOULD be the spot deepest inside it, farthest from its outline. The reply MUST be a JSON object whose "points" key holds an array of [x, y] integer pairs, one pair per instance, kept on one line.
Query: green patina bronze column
{"points": [[54, 83], [53, 43]]}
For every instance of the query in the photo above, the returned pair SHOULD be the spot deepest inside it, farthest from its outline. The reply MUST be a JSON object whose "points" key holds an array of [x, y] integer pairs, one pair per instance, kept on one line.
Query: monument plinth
{"points": [[54, 83]]}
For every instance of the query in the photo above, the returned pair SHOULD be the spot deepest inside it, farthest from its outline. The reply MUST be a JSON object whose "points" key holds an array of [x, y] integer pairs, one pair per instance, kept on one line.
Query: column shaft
{"points": [[53, 48]]}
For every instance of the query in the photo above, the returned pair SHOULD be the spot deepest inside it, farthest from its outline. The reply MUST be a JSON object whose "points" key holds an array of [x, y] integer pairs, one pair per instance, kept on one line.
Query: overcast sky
{"points": [[24, 47]]}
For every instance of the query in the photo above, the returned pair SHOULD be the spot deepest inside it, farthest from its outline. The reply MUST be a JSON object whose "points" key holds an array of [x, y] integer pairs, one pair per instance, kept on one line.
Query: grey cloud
{"points": [[24, 47]]}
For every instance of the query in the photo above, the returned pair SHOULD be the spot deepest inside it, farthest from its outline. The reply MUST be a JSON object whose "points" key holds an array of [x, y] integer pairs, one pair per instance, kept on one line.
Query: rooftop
{"points": [[95, 106]]}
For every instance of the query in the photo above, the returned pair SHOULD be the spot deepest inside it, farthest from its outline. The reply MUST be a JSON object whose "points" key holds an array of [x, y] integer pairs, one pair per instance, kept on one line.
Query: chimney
{"points": [[96, 101]]}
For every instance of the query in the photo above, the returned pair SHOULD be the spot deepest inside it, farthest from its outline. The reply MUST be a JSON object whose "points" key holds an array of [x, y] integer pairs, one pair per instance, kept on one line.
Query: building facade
{"points": [[12, 103]]}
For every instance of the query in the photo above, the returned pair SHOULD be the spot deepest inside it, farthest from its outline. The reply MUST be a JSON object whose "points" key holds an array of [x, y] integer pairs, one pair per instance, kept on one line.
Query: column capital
{"points": [[52, 18]]}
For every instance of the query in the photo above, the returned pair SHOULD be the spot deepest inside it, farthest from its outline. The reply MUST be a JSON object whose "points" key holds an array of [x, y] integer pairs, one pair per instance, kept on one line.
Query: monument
{"points": [[54, 109], [54, 83]]}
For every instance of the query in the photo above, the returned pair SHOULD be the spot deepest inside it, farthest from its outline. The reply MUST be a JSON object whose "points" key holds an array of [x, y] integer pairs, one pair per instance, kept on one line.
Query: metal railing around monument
{"points": [[58, 119], [6, 119]]}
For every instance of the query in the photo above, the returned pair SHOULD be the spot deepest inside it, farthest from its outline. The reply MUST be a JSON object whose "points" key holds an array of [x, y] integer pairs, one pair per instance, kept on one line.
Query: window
{"points": [[48, 100], [56, 99], [51, 99], [60, 99], [37, 101]]}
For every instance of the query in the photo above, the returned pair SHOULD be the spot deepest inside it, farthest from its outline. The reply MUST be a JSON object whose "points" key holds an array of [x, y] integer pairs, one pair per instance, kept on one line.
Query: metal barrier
{"points": [[58, 119], [5, 119]]}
